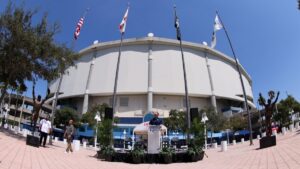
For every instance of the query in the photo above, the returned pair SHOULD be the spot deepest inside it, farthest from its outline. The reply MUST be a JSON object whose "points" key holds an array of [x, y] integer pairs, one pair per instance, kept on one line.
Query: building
{"points": [[17, 110], [151, 78]]}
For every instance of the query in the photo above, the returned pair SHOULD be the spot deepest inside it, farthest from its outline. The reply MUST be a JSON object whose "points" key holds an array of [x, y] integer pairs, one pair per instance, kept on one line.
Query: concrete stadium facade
{"points": [[151, 78]]}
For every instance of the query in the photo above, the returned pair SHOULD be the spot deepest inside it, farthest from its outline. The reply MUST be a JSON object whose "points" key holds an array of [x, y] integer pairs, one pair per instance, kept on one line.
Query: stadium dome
{"points": [[151, 78]]}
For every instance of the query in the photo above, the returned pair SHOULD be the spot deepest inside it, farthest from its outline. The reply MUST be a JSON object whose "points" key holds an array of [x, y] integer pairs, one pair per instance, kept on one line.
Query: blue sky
{"points": [[265, 34]]}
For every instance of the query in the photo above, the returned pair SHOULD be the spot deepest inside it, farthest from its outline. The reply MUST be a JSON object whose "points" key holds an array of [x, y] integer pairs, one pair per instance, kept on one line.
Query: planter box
{"points": [[137, 160], [166, 158], [108, 158], [197, 157], [33, 141], [267, 142], [151, 158]]}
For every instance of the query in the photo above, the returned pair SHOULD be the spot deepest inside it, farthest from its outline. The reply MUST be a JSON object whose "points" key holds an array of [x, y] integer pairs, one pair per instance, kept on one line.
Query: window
{"points": [[124, 101], [110, 101]]}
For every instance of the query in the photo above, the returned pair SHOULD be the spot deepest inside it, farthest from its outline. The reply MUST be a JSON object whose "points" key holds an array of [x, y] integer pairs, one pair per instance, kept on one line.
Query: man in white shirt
{"points": [[45, 127]]}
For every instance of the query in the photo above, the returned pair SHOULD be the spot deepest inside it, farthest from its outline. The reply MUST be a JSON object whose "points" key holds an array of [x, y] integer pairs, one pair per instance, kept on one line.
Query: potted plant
{"points": [[195, 153], [191, 154], [108, 153], [166, 154], [137, 155]]}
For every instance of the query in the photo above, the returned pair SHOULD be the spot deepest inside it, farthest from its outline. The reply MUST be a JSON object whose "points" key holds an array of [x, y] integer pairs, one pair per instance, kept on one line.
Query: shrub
{"points": [[137, 155], [167, 154]]}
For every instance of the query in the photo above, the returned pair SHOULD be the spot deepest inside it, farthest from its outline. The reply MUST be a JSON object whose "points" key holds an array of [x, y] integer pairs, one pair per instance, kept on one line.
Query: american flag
{"points": [[78, 28]]}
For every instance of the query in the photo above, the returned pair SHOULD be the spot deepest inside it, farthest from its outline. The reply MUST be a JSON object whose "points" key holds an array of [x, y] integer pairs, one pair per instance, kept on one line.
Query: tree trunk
{"points": [[3, 91], [16, 109]]}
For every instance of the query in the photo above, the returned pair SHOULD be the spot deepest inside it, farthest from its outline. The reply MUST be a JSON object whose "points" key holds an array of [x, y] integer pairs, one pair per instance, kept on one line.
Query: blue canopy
{"points": [[219, 135], [242, 132]]}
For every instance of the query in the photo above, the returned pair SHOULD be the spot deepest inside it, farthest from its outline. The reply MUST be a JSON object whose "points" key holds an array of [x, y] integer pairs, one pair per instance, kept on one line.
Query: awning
{"points": [[142, 129], [242, 132]]}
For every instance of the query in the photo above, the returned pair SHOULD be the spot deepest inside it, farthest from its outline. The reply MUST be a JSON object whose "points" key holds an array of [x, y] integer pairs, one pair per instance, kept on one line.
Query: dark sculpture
{"points": [[269, 108], [155, 120], [37, 106]]}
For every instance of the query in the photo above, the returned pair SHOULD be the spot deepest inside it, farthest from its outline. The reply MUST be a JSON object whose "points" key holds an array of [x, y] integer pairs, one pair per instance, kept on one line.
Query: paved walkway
{"points": [[14, 154]]}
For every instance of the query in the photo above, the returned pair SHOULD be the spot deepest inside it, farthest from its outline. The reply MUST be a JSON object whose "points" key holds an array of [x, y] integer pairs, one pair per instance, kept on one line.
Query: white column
{"points": [[86, 95], [85, 102], [22, 109], [213, 96], [150, 89]]}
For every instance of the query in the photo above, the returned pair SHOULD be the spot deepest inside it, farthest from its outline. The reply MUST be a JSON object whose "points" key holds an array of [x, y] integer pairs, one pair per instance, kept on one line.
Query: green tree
{"points": [[237, 122], [257, 124], [285, 108], [216, 121], [176, 121], [63, 116], [197, 129], [28, 50], [89, 117], [105, 135]]}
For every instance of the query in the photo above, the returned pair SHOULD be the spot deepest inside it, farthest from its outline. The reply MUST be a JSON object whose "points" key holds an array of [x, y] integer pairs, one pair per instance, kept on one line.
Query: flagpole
{"points": [[184, 74], [185, 88], [117, 76], [54, 103], [241, 79]]}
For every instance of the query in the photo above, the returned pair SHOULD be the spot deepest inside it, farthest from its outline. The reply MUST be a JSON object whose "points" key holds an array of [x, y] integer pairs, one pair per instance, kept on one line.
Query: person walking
{"points": [[45, 128], [69, 136]]}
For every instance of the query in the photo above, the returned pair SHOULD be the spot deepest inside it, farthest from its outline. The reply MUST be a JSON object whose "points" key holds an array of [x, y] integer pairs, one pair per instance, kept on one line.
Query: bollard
{"points": [[84, 144], [56, 139], [76, 145], [242, 140], [215, 145], [65, 141], [291, 127], [283, 130], [297, 125], [258, 137], [224, 146], [16, 129], [234, 142], [24, 132], [264, 134], [274, 132], [11, 128]]}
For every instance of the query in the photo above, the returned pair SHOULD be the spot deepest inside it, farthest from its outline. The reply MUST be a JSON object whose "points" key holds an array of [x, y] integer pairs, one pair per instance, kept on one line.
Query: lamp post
{"points": [[124, 133], [203, 120], [98, 119]]}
